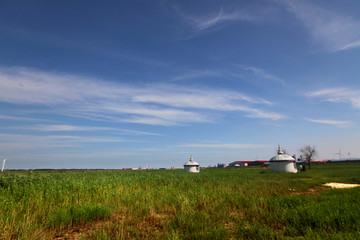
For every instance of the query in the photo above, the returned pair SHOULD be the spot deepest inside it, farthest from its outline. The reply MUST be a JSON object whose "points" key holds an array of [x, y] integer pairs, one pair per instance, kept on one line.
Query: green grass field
{"points": [[243, 203]]}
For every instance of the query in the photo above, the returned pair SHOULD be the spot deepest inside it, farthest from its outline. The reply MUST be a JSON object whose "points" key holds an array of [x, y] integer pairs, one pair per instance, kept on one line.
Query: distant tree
{"points": [[308, 152]]}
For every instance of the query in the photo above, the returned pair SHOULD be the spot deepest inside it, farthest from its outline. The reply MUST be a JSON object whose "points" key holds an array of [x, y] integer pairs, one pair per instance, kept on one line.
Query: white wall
{"points": [[283, 167], [191, 169]]}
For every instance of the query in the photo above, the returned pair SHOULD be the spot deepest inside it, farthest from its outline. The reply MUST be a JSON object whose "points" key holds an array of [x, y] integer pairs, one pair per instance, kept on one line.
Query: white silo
{"points": [[283, 162], [192, 166]]}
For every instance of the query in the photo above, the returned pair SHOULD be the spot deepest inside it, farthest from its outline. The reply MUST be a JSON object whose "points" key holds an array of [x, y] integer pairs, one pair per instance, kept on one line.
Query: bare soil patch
{"points": [[81, 230], [341, 185]]}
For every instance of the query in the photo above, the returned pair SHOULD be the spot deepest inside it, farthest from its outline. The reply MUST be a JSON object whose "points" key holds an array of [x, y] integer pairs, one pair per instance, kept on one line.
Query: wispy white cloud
{"points": [[17, 118], [216, 20], [83, 139], [333, 30], [262, 74], [65, 138], [195, 74], [30, 141], [350, 45], [82, 95], [225, 145], [73, 128], [166, 116], [338, 95], [206, 22], [256, 113], [61, 128], [207, 99], [211, 100], [56, 40], [23, 85], [219, 101], [331, 122], [101, 100]]}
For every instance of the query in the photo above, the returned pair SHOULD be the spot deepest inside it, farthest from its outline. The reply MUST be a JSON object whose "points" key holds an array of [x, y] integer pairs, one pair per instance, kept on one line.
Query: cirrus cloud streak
{"points": [[338, 95], [331, 122], [336, 32], [225, 145], [157, 104]]}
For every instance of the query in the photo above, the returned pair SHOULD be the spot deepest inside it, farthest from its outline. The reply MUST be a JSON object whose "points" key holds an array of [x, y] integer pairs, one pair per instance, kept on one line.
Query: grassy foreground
{"points": [[246, 203]]}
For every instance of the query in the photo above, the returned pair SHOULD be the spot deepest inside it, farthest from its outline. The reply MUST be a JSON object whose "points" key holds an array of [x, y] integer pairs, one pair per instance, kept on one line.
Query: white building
{"points": [[283, 162], [192, 166]]}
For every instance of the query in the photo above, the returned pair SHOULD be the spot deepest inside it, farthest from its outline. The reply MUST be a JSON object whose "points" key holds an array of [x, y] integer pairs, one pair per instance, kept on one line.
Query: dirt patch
{"points": [[230, 226], [150, 226], [322, 188], [81, 230], [309, 192], [315, 190], [341, 185]]}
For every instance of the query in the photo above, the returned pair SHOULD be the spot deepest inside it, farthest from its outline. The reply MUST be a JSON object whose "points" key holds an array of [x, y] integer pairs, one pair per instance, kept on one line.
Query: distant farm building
{"points": [[283, 162], [221, 165], [336, 160], [237, 164], [246, 163], [192, 166]]}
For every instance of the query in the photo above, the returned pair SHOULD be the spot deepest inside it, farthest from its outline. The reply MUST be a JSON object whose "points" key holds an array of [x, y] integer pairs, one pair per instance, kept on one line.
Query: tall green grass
{"points": [[245, 203]]}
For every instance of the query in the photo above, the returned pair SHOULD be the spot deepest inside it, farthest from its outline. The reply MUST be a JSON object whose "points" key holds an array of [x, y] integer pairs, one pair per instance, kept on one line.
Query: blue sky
{"points": [[113, 84]]}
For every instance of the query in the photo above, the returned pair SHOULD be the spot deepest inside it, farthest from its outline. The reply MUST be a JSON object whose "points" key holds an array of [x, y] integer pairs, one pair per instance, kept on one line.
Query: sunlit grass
{"points": [[246, 203]]}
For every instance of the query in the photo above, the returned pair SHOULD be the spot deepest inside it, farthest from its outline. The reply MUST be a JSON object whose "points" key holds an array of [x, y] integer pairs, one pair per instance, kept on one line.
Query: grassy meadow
{"points": [[242, 203]]}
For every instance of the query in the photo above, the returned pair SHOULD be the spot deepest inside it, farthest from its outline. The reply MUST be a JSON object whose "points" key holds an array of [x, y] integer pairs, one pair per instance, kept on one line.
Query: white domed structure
{"points": [[192, 166], [283, 162]]}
